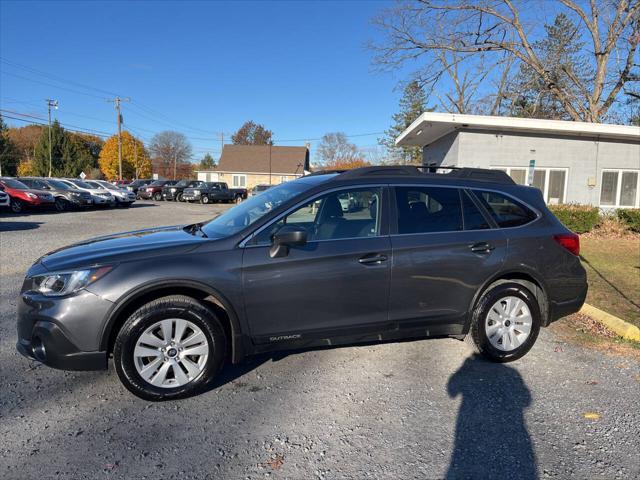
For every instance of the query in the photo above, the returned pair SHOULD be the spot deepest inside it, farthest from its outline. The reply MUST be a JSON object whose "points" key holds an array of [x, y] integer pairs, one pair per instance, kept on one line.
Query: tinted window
{"points": [[11, 183], [344, 214], [428, 209], [505, 211], [473, 217]]}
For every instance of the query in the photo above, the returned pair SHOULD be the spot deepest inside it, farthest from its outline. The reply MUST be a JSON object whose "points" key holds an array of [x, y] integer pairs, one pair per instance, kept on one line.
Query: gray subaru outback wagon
{"points": [[372, 254]]}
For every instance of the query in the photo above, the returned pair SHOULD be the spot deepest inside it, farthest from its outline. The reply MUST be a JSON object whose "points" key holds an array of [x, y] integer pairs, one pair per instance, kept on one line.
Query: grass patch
{"points": [[613, 274]]}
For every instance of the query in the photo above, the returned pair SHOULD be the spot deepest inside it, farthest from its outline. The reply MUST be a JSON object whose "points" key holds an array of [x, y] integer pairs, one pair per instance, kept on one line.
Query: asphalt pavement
{"points": [[425, 409]]}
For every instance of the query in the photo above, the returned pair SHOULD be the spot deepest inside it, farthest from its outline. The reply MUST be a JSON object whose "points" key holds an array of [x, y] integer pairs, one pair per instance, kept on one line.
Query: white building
{"points": [[589, 163]]}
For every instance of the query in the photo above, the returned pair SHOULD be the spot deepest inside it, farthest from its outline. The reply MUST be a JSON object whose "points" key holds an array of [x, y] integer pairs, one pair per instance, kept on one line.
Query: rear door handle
{"points": [[482, 247], [374, 259]]}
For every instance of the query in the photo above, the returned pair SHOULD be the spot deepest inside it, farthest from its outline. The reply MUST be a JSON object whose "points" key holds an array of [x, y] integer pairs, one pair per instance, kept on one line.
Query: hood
{"points": [[122, 247], [192, 189]]}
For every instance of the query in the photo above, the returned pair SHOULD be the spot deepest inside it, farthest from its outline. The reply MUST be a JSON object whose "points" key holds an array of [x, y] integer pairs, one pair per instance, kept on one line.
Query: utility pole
{"points": [[117, 102], [221, 144], [54, 104]]}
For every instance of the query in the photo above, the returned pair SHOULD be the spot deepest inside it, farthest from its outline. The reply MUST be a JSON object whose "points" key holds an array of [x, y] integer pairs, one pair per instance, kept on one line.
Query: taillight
{"points": [[570, 241]]}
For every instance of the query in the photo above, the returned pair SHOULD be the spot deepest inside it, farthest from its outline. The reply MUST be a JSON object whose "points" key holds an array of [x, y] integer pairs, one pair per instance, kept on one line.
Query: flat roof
{"points": [[430, 126]]}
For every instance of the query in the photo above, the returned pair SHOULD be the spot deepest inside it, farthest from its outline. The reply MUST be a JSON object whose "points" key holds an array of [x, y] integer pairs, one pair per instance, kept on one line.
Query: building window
{"points": [[239, 181], [619, 188], [552, 182]]}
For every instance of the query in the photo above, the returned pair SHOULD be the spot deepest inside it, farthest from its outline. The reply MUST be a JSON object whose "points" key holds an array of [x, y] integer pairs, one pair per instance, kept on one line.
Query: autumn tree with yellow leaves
{"points": [[135, 158]]}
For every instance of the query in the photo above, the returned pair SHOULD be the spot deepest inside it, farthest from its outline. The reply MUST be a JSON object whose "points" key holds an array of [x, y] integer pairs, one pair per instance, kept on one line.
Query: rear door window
{"points": [[504, 210], [474, 219], [428, 209]]}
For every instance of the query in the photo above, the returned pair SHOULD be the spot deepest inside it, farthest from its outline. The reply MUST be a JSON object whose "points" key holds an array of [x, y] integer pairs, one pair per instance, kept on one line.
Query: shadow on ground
{"points": [[17, 226], [491, 439]]}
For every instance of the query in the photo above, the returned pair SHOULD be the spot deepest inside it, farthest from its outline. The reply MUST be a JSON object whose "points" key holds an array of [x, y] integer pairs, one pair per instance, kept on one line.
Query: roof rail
{"points": [[325, 172], [478, 174]]}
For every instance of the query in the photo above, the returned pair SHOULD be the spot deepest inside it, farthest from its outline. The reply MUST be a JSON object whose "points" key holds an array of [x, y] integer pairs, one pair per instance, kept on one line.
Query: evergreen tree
{"points": [[412, 105], [8, 152], [207, 162], [41, 157], [560, 52]]}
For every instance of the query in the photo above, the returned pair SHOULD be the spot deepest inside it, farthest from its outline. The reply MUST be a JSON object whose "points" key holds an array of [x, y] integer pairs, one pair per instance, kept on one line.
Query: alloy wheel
{"points": [[171, 353], [508, 323]]}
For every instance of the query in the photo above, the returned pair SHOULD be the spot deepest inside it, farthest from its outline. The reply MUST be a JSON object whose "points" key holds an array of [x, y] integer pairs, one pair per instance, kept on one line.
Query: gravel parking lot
{"points": [[426, 409]]}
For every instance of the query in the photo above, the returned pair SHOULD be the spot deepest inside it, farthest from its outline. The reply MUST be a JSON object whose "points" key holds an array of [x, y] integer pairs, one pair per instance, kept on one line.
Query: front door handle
{"points": [[374, 259], [482, 247]]}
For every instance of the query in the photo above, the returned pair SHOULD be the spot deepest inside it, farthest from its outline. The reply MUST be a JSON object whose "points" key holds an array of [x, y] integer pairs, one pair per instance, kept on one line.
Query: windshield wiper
{"points": [[195, 228]]}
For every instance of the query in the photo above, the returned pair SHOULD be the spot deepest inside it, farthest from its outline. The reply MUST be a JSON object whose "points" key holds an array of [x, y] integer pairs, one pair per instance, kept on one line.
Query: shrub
{"points": [[631, 217], [577, 218]]}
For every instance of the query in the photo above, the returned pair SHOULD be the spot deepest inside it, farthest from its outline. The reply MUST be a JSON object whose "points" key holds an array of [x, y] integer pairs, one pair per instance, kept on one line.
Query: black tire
{"points": [[16, 205], [174, 306], [478, 325], [179, 198], [61, 204], [157, 196], [238, 199], [204, 200]]}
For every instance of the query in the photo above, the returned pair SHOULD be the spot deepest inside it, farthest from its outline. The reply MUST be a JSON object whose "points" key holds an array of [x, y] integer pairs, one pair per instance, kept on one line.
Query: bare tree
{"points": [[335, 148], [445, 35], [169, 150]]}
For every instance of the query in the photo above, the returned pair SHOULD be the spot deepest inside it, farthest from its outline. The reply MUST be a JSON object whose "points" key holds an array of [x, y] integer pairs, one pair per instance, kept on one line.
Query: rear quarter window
{"points": [[506, 211]]}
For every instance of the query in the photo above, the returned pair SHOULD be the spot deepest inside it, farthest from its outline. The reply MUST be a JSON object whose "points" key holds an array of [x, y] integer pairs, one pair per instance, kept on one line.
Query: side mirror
{"points": [[287, 236]]}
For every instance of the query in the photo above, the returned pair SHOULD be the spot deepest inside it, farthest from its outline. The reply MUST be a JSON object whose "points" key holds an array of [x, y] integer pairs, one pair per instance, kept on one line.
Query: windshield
{"points": [[95, 185], [108, 185], [158, 183], [251, 210], [82, 184], [182, 183], [58, 185], [11, 183]]}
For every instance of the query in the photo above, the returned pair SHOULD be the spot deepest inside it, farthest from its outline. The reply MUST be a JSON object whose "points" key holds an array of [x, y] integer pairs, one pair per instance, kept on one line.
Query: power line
{"points": [[49, 84], [53, 77], [44, 125]]}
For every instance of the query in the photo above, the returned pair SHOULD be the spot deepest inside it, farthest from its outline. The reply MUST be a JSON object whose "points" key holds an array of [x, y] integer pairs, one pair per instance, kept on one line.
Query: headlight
{"points": [[173, 190], [196, 192], [76, 194], [31, 195], [64, 283]]}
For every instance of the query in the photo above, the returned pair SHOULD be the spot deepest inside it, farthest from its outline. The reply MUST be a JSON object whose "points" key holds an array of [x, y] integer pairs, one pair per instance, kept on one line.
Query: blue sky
{"points": [[300, 68]]}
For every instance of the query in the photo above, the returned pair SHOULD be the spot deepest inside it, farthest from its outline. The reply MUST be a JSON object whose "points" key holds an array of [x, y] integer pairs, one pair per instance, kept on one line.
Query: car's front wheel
{"points": [[61, 204], [169, 348], [506, 322], [179, 198], [204, 199], [157, 196], [16, 205]]}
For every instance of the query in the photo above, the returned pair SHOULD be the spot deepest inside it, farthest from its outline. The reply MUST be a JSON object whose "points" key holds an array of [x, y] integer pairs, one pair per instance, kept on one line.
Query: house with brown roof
{"points": [[245, 166]]}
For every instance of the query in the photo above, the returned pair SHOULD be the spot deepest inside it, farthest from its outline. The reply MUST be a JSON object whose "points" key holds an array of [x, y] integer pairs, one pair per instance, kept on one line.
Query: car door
{"points": [[337, 283], [444, 249]]}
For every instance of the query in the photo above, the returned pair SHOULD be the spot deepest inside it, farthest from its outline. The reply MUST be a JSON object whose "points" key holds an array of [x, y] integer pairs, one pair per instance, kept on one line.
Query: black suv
{"points": [[175, 192], [378, 253], [65, 196]]}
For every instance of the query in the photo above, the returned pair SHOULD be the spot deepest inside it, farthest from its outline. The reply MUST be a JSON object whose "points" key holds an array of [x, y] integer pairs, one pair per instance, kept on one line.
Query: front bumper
{"points": [[192, 197], [63, 332], [143, 194], [170, 195]]}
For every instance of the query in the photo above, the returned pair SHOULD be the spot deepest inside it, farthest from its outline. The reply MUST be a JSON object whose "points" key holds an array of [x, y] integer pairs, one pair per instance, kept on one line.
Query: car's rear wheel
{"points": [[157, 196], [169, 348], [179, 198], [17, 206], [204, 199], [506, 322], [61, 204], [238, 199]]}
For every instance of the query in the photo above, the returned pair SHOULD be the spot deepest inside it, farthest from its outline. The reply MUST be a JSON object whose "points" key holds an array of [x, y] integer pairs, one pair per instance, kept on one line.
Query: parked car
{"points": [[121, 183], [21, 196], [5, 201], [465, 253], [174, 192], [214, 192], [136, 184], [100, 197], [65, 197], [258, 189], [123, 197], [154, 189]]}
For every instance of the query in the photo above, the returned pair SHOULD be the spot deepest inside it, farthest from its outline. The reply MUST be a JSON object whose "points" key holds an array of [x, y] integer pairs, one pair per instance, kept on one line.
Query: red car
{"points": [[22, 196]]}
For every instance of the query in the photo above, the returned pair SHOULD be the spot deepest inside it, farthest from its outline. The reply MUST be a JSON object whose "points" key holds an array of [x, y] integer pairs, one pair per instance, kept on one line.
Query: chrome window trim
{"points": [[245, 240]]}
